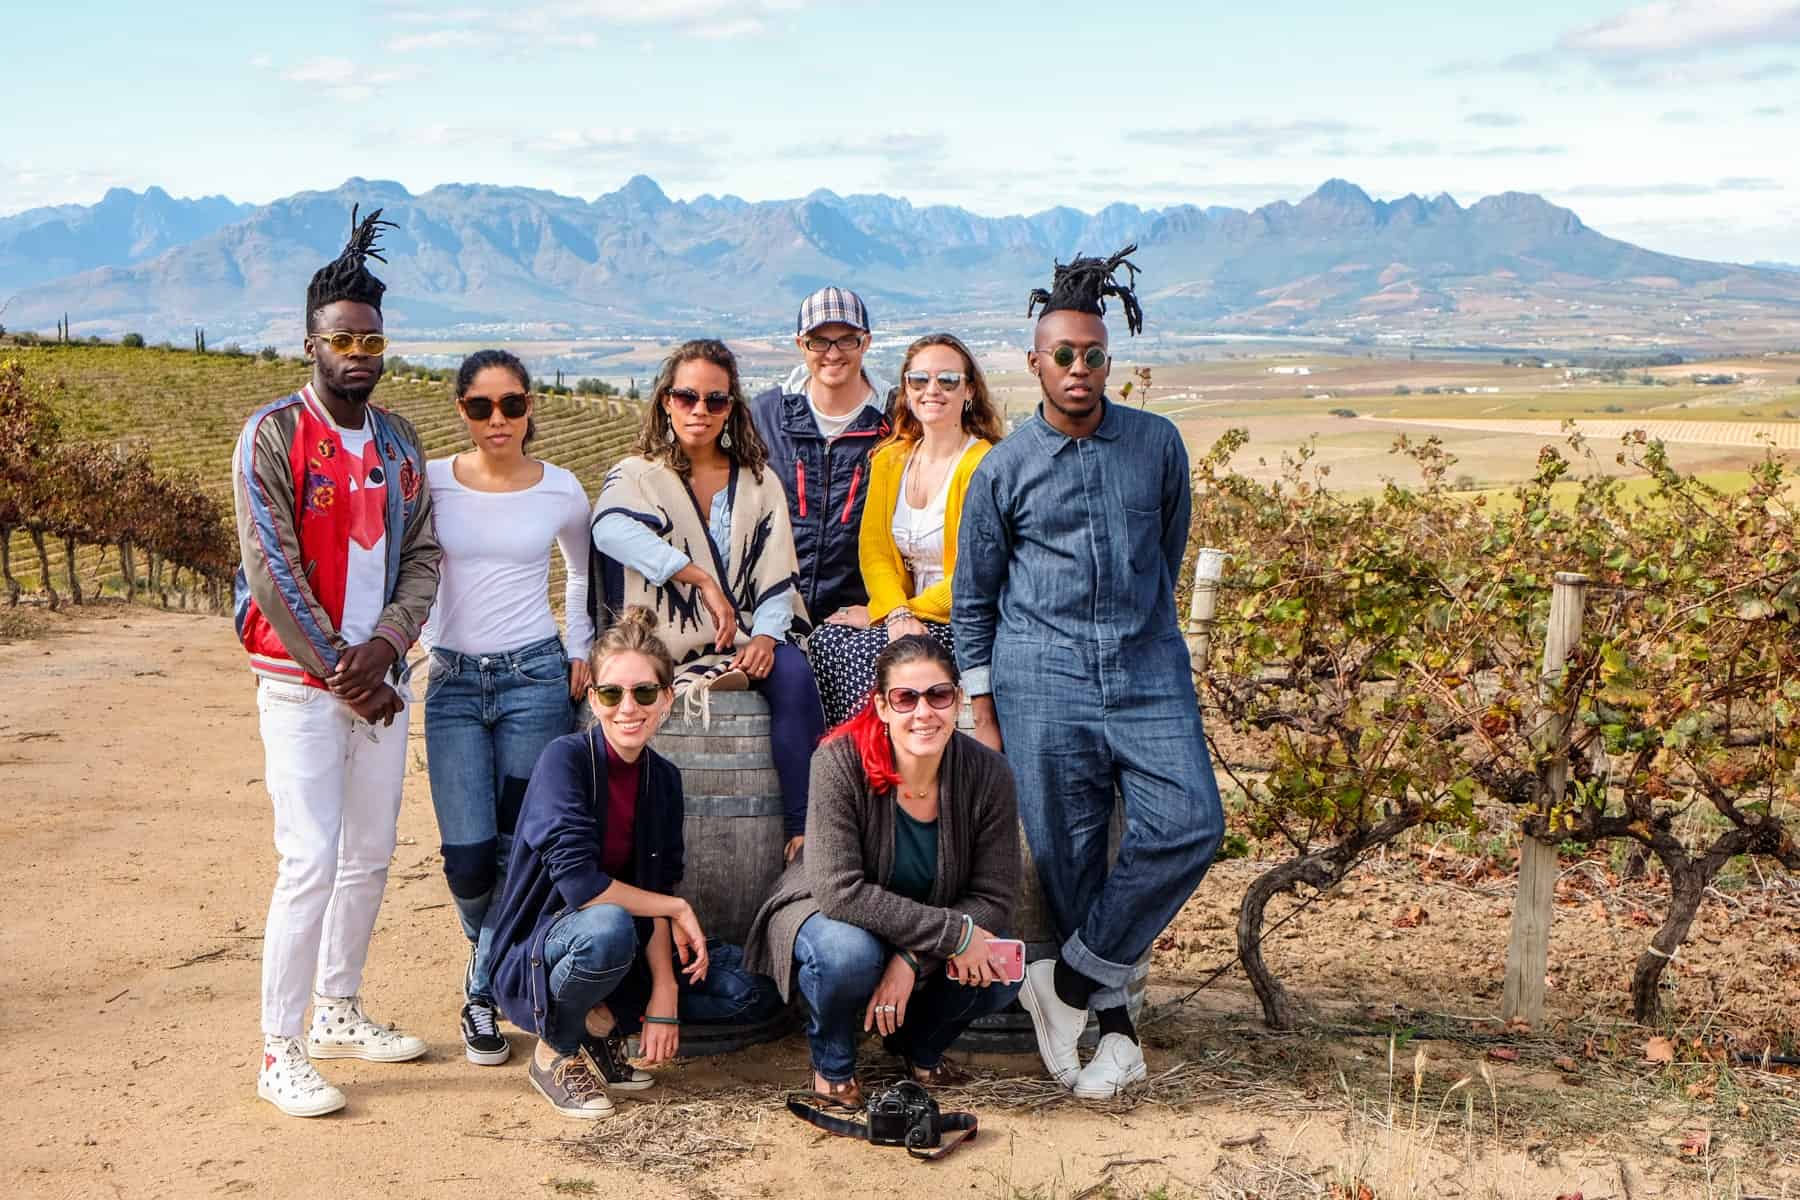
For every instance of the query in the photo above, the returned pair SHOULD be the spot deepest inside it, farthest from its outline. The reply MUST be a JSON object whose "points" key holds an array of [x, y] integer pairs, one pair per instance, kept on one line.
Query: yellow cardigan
{"points": [[884, 571]]}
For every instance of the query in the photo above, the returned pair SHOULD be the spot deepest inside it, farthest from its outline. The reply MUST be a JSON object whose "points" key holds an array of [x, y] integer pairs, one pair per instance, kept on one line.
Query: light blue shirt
{"points": [[628, 542]]}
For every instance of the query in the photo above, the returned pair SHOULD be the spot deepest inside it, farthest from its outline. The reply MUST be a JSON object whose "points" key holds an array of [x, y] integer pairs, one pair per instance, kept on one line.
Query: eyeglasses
{"points": [[611, 695], [949, 381], [686, 398], [819, 345], [938, 695], [1094, 357], [480, 408], [341, 340]]}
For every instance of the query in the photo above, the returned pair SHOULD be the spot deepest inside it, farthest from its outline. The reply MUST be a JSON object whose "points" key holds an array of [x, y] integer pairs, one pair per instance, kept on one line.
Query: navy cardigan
{"points": [[554, 867]]}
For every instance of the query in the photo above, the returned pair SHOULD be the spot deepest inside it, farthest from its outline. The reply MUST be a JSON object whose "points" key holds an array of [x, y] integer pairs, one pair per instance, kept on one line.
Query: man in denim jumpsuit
{"points": [[1072, 535]]}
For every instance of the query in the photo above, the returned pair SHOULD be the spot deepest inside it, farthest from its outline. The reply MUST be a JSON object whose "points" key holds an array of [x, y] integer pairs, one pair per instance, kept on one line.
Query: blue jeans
{"points": [[487, 718], [838, 966], [588, 953], [1078, 718], [594, 954]]}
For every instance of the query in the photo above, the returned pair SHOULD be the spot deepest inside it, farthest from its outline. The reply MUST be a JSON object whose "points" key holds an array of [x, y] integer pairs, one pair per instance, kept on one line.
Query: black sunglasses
{"points": [[611, 695], [949, 381], [938, 695], [686, 398], [480, 408], [1064, 356]]}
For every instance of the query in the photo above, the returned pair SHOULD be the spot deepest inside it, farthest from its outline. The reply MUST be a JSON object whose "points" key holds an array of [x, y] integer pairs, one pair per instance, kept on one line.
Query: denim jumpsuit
{"points": [[1065, 611]]}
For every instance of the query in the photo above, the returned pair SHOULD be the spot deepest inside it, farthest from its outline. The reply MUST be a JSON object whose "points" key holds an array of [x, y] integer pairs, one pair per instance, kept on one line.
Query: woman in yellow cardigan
{"points": [[943, 425]]}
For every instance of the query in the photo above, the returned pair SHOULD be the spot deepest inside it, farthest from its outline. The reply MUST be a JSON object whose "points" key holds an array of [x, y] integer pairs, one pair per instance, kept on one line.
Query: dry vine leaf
{"points": [[1503, 1054], [1565, 1064], [1696, 1143], [1411, 917], [1659, 1050], [1569, 1196]]}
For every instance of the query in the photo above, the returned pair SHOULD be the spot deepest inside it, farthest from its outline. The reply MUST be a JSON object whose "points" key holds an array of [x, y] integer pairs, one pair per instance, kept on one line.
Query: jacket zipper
{"points": [[850, 500], [800, 482]]}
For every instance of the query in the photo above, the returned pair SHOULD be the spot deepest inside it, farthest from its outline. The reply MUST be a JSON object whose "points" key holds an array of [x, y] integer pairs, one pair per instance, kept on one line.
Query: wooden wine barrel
{"points": [[731, 835], [1009, 1031]]}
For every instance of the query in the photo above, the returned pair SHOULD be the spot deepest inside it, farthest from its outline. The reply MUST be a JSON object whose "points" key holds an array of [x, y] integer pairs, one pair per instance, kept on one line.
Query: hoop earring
{"points": [[725, 439]]}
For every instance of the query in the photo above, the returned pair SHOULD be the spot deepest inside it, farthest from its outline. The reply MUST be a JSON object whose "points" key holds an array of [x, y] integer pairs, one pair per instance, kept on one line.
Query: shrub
{"points": [[269, 354], [1403, 390], [1343, 412], [132, 341]]}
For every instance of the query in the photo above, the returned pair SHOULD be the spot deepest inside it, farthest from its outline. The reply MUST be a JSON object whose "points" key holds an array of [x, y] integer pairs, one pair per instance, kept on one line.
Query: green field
{"points": [[186, 411]]}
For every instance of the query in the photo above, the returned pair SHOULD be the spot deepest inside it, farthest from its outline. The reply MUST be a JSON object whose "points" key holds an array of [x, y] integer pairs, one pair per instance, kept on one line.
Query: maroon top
{"points": [[621, 813]]}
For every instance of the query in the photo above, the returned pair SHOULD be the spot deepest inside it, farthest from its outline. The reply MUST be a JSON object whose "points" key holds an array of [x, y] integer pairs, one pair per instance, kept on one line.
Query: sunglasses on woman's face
{"points": [[611, 695], [1094, 357], [938, 695], [341, 340], [480, 408], [686, 398], [948, 381]]}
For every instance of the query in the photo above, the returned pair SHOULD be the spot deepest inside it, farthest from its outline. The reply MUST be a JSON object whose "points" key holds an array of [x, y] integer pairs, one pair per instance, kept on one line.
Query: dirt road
{"points": [[135, 855]]}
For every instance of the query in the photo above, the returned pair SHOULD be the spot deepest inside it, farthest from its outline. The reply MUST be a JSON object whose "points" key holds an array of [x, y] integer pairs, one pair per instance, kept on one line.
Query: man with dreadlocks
{"points": [[1064, 615], [340, 566]]}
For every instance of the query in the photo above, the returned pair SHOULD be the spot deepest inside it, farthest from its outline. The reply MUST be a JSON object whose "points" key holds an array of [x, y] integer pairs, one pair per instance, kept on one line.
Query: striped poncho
{"points": [[761, 558]]}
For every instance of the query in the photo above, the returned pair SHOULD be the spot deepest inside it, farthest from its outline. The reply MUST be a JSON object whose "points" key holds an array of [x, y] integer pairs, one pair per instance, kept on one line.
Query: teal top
{"points": [[915, 856]]}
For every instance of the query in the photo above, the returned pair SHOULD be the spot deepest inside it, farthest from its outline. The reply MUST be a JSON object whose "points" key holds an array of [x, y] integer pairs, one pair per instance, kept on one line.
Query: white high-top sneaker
{"points": [[340, 1029], [289, 1081]]}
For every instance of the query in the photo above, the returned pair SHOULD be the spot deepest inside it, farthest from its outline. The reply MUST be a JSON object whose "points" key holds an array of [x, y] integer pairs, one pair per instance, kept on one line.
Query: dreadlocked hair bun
{"points": [[634, 632], [1084, 284], [347, 277]]}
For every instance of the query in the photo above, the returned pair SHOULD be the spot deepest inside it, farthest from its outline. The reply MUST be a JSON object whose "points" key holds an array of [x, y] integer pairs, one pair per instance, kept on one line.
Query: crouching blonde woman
{"points": [[912, 859], [592, 943]]}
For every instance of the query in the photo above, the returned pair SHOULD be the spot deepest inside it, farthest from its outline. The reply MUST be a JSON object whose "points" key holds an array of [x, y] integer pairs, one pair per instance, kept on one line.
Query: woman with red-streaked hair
{"points": [[910, 868]]}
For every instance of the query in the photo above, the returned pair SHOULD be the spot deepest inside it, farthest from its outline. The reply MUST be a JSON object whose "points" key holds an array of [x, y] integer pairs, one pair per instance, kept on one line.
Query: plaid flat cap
{"points": [[832, 306]]}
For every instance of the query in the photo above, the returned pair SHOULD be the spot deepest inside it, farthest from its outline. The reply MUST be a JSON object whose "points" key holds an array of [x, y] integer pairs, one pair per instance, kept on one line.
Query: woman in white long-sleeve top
{"points": [[502, 678]]}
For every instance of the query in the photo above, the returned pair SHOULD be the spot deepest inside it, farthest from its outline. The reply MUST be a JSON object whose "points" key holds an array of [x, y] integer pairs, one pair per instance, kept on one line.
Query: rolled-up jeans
{"points": [[487, 718], [838, 966], [1078, 719]]}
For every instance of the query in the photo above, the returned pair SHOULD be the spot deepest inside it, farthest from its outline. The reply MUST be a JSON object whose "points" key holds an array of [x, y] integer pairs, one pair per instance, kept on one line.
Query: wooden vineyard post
{"points": [[1528, 953], [1208, 569]]}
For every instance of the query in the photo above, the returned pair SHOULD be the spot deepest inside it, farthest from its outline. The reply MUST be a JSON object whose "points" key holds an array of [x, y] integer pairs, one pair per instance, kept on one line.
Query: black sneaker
{"points": [[608, 1054], [482, 1043]]}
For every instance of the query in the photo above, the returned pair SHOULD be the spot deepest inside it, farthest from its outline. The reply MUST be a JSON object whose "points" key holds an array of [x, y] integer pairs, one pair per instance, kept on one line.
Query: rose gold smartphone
{"points": [[1008, 955]]}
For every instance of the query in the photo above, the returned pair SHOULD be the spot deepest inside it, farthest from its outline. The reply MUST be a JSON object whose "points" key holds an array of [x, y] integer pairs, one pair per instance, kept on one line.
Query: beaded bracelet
{"points": [[968, 935], [662, 1020]]}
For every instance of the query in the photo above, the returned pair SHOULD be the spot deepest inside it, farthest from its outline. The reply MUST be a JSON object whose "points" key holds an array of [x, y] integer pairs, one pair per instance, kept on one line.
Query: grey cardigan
{"points": [[849, 858]]}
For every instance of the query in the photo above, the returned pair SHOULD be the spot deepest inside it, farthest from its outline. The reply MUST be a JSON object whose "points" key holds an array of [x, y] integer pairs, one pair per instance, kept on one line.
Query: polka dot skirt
{"points": [[843, 660]]}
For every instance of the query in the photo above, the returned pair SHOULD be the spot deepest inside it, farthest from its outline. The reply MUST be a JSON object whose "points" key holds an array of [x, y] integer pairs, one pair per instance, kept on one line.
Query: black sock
{"points": [[1072, 987], [1116, 1019]]}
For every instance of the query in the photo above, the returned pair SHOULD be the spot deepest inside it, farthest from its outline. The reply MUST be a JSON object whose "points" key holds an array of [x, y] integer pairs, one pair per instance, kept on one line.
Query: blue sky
{"points": [[1672, 124]]}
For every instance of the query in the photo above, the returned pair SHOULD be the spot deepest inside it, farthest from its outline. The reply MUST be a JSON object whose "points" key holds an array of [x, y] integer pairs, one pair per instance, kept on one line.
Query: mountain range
{"points": [[474, 259]]}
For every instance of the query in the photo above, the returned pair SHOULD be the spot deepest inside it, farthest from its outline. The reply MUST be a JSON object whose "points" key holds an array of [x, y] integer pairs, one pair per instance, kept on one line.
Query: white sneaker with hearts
{"points": [[289, 1081], [340, 1029]]}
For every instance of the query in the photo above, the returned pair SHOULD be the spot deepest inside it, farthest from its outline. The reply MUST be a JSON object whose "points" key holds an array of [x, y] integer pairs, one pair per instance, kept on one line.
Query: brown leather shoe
{"points": [[847, 1094], [945, 1074]]}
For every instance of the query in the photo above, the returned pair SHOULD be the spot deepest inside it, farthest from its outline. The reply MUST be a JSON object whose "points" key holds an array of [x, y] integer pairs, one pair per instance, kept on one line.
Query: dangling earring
{"points": [[725, 439], [969, 404], [669, 433]]}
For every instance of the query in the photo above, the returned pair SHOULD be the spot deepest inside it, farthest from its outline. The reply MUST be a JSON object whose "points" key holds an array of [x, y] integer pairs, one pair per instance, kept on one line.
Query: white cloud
{"points": [[1494, 120], [262, 62], [345, 79], [1682, 26], [900, 144], [437, 39]]}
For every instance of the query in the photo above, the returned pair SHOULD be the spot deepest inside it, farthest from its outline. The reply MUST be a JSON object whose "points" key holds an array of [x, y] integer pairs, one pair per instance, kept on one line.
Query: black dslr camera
{"points": [[905, 1115]]}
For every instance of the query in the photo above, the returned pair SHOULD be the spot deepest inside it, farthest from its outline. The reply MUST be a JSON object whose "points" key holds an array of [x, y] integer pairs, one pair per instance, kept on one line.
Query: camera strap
{"points": [[809, 1107]]}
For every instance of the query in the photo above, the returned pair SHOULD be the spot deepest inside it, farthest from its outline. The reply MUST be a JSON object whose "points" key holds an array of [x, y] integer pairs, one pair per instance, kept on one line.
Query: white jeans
{"points": [[335, 782]]}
